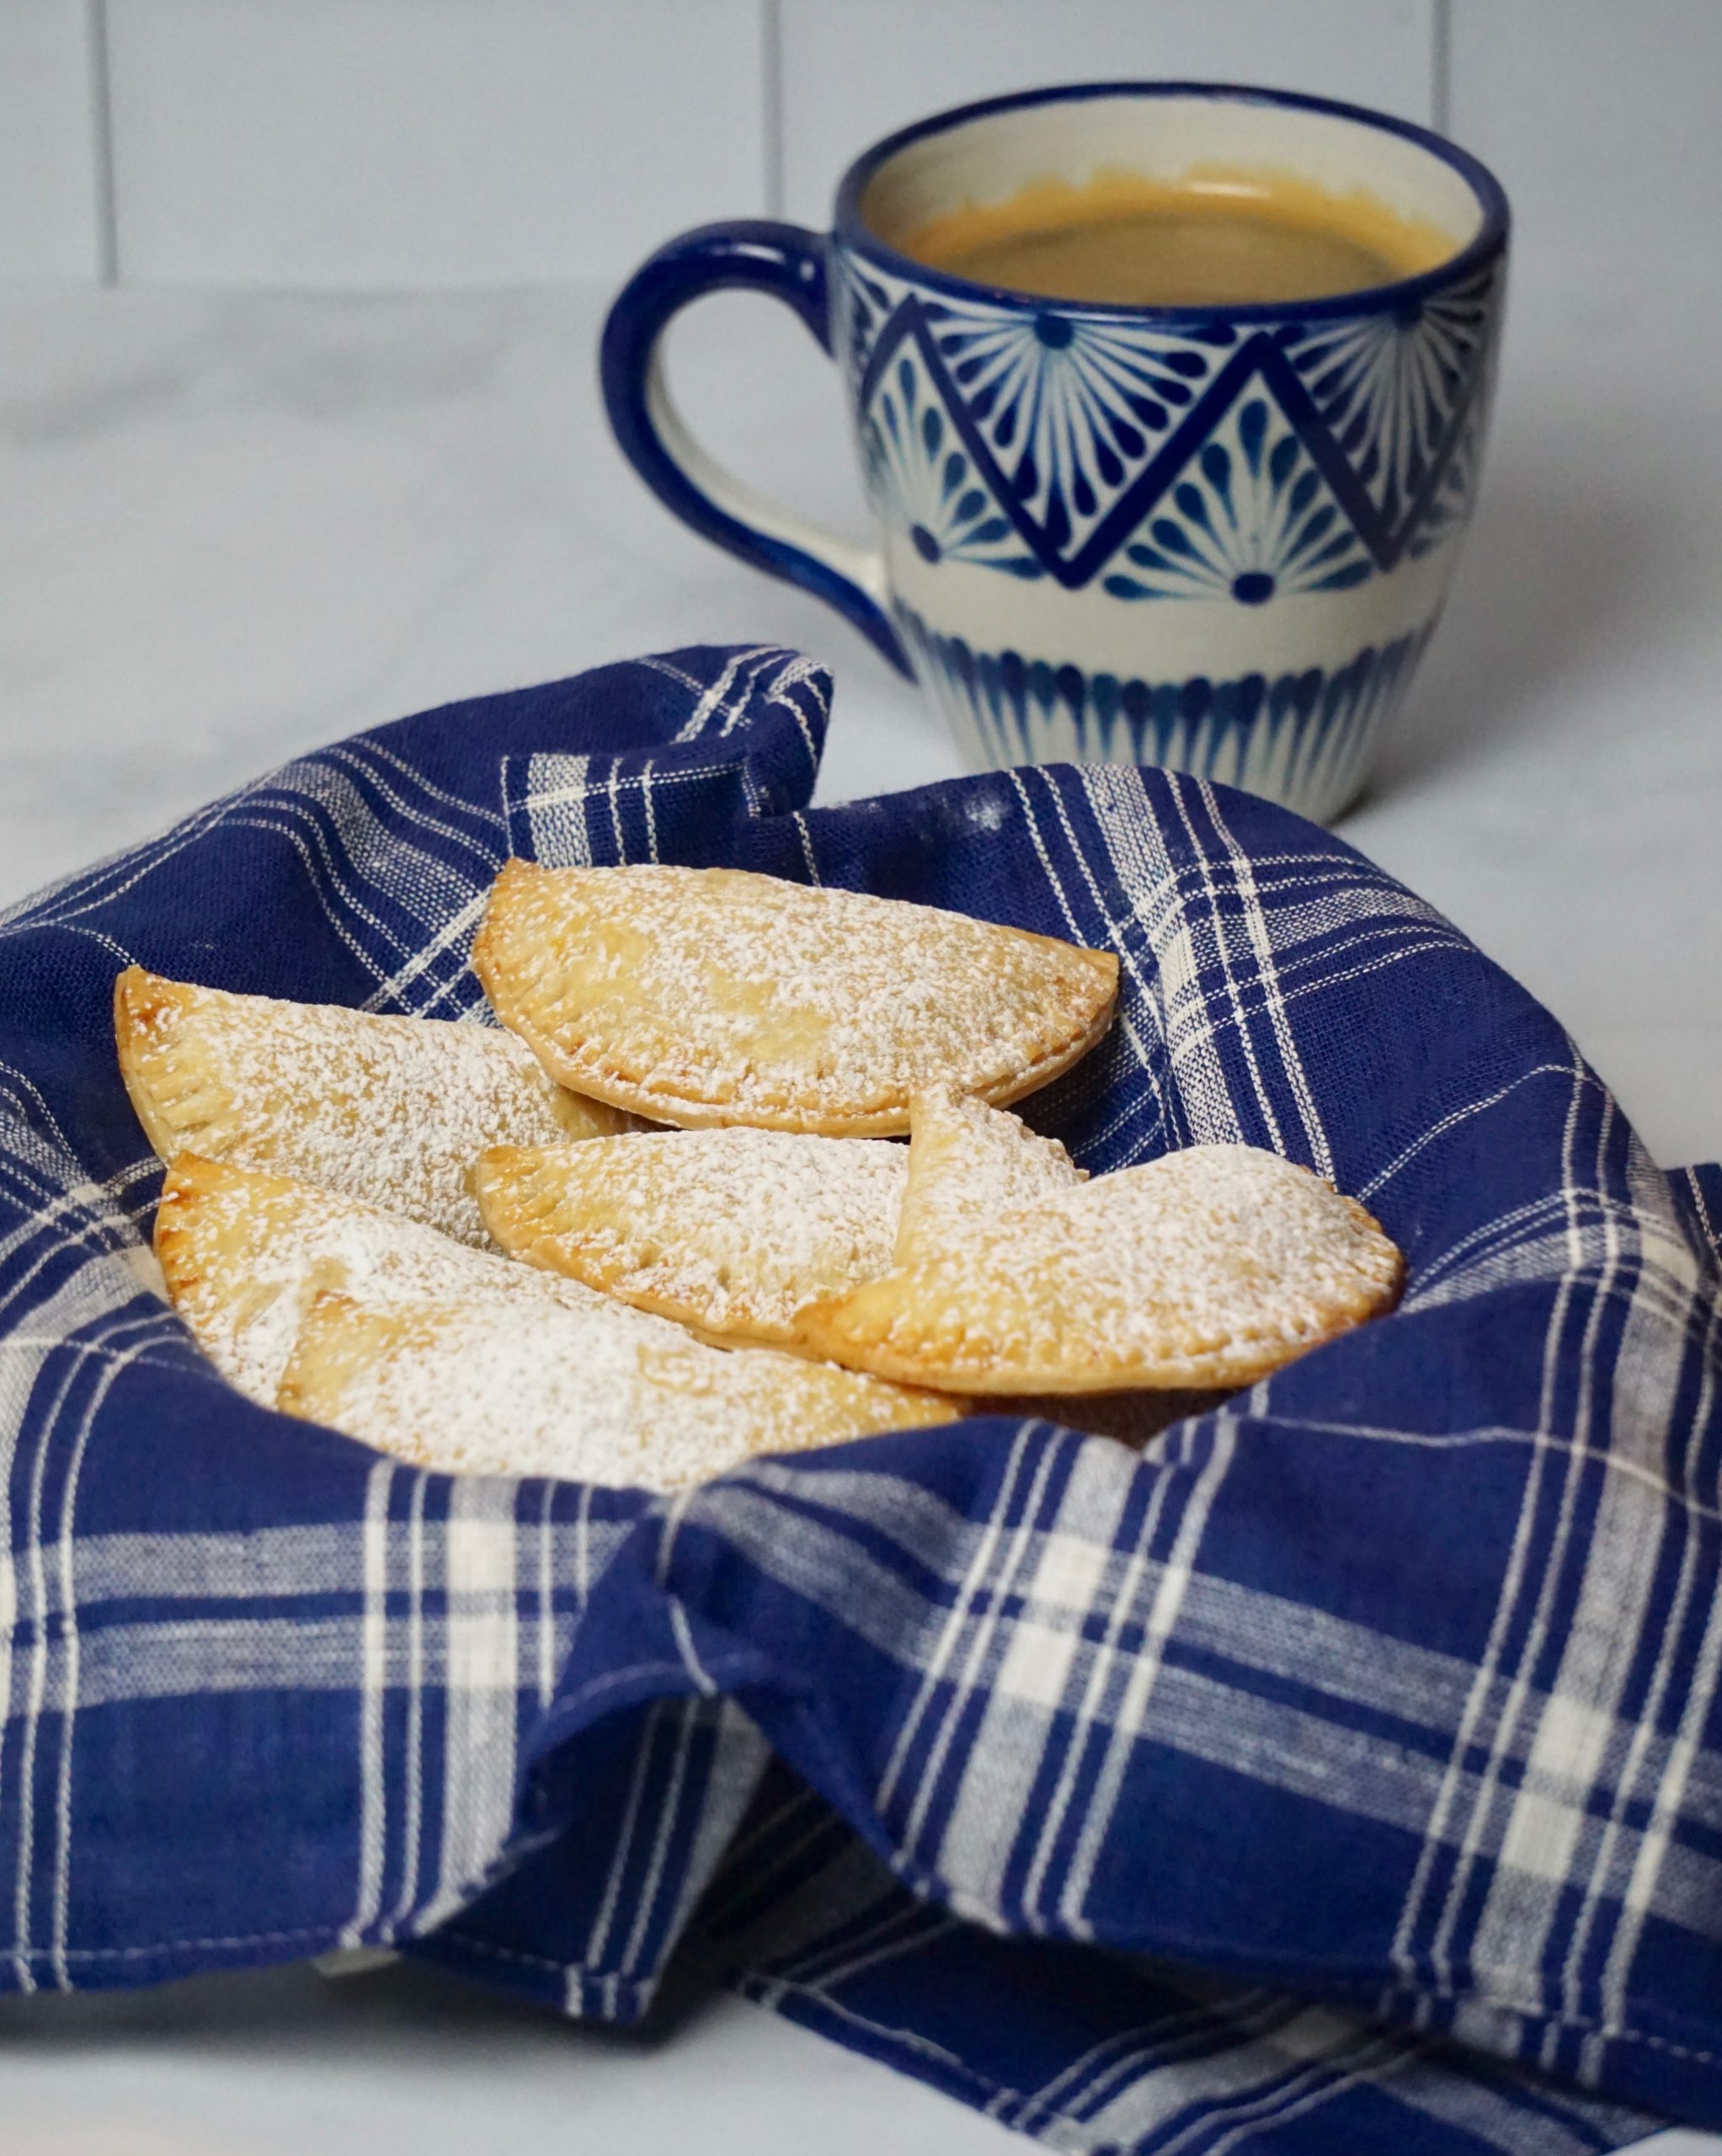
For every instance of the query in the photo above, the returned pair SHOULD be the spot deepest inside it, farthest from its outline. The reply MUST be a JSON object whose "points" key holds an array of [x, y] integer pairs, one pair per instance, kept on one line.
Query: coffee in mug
{"points": [[1212, 239]]}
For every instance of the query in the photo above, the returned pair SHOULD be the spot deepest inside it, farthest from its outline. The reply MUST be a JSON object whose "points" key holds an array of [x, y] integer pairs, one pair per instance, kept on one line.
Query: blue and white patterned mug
{"points": [[1212, 538]]}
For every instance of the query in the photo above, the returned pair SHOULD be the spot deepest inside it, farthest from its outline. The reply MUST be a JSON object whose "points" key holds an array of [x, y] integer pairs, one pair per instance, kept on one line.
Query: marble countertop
{"points": [[236, 526]]}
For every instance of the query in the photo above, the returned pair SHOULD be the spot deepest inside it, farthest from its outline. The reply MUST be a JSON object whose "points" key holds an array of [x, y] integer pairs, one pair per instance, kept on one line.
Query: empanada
{"points": [[601, 1393], [968, 1163], [1210, 1267], [731, 1232], [394, 1110], [244, 1253], [705, 996]]}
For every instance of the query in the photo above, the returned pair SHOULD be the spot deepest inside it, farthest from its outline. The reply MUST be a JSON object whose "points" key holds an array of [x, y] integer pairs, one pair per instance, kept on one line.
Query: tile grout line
{"points": [[1441, 65], [102, 143], [771, 94]]}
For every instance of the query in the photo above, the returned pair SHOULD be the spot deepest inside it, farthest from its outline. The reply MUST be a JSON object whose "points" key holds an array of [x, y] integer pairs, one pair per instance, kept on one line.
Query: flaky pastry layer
{"points": [[453, 1359], [968, 1164], [1208, 1267], [712, 996], [244, 1254], [602, 1394], [393, 1110], [733, 1232]]}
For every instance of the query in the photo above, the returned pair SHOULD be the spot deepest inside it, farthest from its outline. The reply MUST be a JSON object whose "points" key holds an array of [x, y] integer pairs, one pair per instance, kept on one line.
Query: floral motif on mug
{"points": [[860, 303], [1389, 384], [922, 481], [1252, 517], [1449, 505], [1091, 436], [1071, 406]]}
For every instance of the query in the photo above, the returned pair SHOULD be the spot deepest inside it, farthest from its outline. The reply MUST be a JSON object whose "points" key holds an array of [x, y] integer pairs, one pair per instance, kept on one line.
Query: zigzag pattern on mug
{"points": [[1073, 430]]}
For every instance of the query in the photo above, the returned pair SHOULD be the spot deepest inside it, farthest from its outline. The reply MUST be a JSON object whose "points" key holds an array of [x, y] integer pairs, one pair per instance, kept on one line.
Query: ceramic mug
{"points": [[1212, 537]]}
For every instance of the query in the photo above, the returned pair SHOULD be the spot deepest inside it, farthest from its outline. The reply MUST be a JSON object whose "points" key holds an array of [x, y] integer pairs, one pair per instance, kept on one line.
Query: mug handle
{"points": [[759, 255]]}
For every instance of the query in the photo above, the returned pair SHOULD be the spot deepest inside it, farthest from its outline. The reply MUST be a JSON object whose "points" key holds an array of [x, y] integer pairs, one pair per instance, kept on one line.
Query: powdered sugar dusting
{"points": [[460, 1360], [968, 1164], [730, 1230], [712, 996], [392, 1110], [1210, 1267], [602, 1394], [244, 1254]]}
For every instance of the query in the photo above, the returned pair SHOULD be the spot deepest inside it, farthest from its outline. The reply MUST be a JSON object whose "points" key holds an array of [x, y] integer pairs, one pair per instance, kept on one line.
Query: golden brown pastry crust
{"points": [[600, 1394], [392, 1110], [711, 996], [1208, 1267], [967, 1164], [732, 1232], [244, 1253], [491, 1367]]}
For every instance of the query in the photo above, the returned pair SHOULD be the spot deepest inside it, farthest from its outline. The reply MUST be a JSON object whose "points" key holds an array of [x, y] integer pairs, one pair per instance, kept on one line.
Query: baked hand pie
{"points": [[394, 1110], [710, 996], [733, 1232], [244, 1253], [968, 1163], [250, 1258], [599, 1393], [1208, 1268]]}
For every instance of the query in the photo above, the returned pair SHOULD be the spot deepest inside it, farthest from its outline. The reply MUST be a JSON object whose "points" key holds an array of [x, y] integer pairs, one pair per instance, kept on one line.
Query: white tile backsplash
{"points": [[354, 143], [412, 143], [853, 70], [50, 206], [1604, 122]]}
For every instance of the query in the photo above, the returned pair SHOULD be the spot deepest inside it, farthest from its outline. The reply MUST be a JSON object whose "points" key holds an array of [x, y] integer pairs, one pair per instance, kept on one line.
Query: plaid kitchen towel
{"points": [[1345, 1766]]}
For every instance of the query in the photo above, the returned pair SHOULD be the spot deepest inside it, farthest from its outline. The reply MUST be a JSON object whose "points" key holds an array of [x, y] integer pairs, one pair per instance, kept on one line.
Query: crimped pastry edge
{"points": [[822, 1331], [686, 1112], [138, 995]]}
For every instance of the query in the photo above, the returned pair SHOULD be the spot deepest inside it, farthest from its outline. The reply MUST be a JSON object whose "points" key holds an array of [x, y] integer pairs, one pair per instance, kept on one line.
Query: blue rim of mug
{"points": [[859, 237]]}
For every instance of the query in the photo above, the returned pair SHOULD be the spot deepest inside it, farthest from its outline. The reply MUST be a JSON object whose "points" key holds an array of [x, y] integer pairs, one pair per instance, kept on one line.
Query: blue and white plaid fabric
{"points": [[1344, 1771]]}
